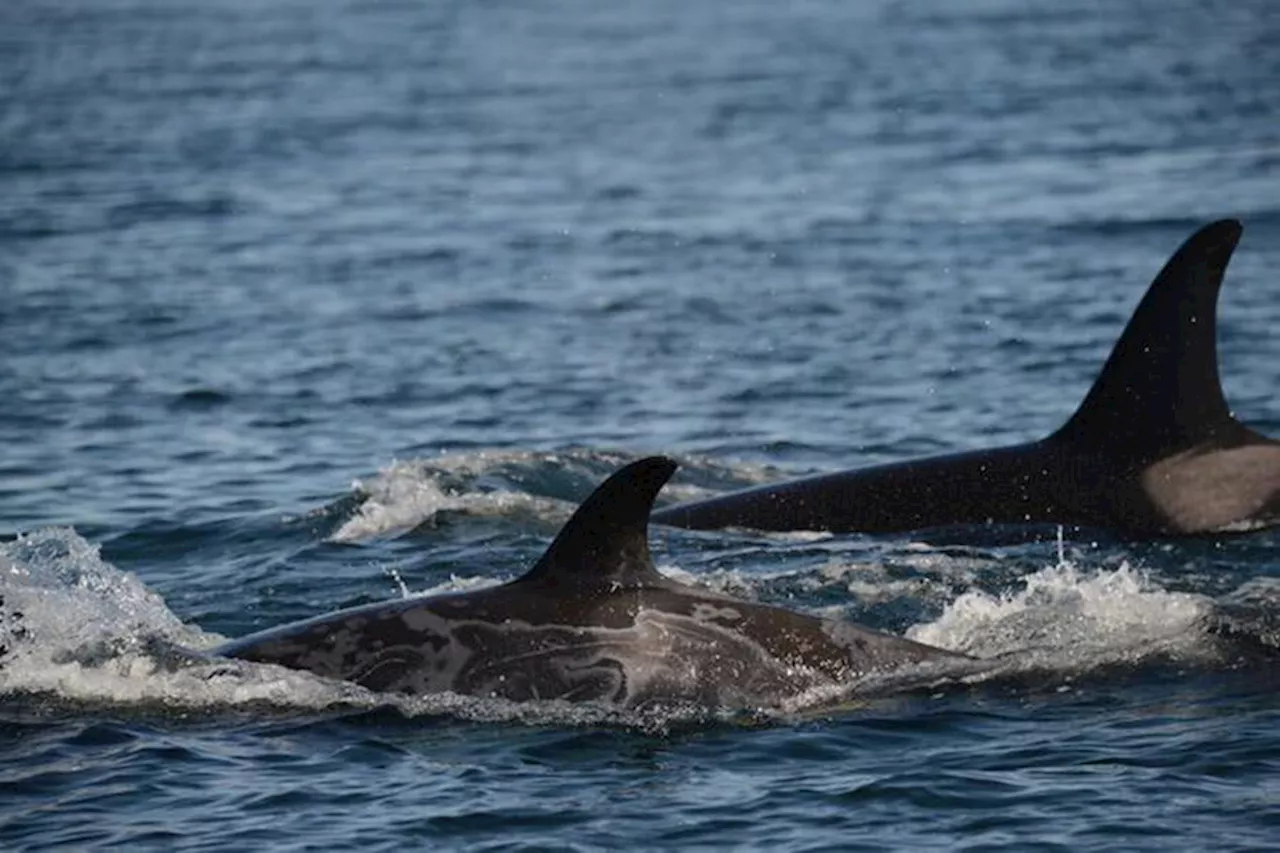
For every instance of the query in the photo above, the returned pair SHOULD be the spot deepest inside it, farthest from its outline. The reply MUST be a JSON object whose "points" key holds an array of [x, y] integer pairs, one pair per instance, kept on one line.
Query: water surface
{"points": [[307, 305]]}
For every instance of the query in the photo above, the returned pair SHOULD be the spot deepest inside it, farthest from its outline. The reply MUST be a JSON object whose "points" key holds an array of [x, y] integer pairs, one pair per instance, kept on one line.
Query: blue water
{"points": [[308, 304]]}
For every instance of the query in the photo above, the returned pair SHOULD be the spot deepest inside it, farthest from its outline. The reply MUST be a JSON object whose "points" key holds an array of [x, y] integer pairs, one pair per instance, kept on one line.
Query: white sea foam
{"points": [[458, 584], [411, 493], [728, 581], [79, 629], [1069, 616], [406, 495], [55, 571]]}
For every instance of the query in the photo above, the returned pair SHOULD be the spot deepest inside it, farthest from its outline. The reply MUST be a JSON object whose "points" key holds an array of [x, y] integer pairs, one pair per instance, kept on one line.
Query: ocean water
{"points": [[310, 304]]}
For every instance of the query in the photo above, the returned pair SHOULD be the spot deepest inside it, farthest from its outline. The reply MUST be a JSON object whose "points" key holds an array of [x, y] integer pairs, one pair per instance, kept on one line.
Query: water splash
{"points": [[56, 572], [412, 493], [1069, 616]]}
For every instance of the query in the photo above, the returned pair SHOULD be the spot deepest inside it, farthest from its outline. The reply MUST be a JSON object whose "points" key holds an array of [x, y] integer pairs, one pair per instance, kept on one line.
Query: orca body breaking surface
{"points": [[592, 621], [1152, 450]]}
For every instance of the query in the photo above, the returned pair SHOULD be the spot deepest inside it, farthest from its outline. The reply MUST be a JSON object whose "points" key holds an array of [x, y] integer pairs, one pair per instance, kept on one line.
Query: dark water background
{"points": [[476, 255]]}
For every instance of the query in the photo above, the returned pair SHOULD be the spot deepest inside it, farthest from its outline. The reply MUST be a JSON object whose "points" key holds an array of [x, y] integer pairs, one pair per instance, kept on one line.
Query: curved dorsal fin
{"points": [[606, 541], [1159, 390]]}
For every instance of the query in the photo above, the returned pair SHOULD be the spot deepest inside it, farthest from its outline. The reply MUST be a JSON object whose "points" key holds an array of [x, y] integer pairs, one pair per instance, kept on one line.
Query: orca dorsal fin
{"points": [[606, 541], [1159, 390]]}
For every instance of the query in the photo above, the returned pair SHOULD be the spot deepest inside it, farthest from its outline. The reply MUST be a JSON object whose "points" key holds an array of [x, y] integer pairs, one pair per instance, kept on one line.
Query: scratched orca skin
{"points": [[1152, 451], [593, 620]]}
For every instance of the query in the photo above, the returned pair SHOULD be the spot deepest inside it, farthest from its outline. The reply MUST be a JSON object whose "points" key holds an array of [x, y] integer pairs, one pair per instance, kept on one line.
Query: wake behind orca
{"points": [[593, 620], [1152, 450]]}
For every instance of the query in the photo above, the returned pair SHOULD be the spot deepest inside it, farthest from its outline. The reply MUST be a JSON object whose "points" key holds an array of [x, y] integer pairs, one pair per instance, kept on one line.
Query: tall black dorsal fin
{"points": [[606, 541], [1159, 390]]}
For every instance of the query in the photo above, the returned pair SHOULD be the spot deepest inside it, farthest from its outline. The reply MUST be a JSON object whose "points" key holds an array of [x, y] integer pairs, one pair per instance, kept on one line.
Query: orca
{"points": [[593, 620], [1152, 451]]}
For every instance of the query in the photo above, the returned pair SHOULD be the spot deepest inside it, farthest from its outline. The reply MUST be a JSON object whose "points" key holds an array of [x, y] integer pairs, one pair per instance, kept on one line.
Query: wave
{"points": [[544, 486]]}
